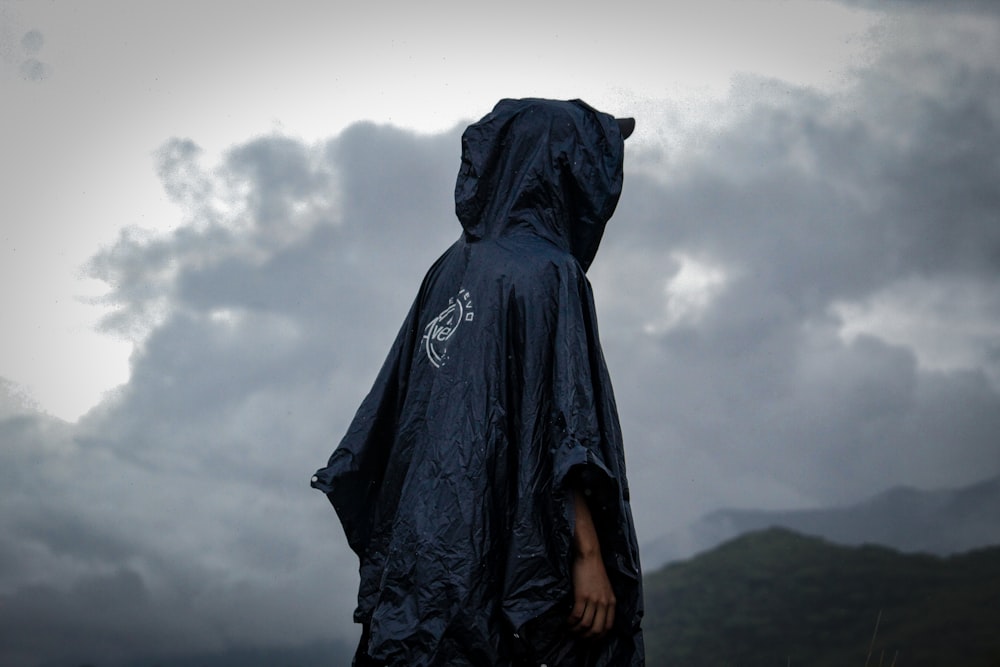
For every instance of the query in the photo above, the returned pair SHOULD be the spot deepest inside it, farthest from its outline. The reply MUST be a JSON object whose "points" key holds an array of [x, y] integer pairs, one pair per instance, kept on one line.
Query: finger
{"points": [[576, 615], [610, 621], [587, 619], [597, 627]]}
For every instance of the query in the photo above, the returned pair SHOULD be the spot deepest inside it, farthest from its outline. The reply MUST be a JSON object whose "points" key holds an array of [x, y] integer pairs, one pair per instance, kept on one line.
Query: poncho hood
{"points": [[551, 167]]}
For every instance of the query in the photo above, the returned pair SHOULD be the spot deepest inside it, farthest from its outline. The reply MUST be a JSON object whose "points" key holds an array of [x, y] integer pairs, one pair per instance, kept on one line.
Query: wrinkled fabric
{"points": [[454, 483]]}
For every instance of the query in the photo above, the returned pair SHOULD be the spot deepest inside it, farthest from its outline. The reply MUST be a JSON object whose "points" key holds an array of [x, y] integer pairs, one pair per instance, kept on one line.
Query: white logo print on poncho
{"points": [[442, 328]]}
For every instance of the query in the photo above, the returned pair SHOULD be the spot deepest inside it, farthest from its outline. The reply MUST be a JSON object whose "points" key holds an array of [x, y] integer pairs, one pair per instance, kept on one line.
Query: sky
{"points": [[216, 215]]}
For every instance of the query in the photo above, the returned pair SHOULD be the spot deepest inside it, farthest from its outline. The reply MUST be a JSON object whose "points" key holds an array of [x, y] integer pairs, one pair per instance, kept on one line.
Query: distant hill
{"points": [[938, 522], [779, 599]]}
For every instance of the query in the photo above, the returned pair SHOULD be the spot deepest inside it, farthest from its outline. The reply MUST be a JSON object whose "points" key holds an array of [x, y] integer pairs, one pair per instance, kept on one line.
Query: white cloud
{"points": [[949, 323], [689, 293]]}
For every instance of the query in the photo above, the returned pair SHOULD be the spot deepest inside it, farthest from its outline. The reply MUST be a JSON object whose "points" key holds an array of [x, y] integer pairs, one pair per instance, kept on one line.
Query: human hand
{"points": [[593, 611]]}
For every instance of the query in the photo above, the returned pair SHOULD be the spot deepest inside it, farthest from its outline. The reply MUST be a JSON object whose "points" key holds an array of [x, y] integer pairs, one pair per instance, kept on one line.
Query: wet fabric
{"points": [[454, 483]]}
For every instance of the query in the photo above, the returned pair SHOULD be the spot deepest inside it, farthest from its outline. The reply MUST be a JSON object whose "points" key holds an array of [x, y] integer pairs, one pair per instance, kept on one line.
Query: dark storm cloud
{"points": [[806, 201], [62, 574], [931, 6], [278, 173], [177, 515], [259, 321]]}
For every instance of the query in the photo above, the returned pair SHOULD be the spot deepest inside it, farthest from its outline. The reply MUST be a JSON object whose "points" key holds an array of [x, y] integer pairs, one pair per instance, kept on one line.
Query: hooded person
{"points": [[488, 457]]}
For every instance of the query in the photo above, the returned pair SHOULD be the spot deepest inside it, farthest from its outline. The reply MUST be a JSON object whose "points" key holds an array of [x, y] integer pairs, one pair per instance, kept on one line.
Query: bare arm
{"points": [[593, 600]]}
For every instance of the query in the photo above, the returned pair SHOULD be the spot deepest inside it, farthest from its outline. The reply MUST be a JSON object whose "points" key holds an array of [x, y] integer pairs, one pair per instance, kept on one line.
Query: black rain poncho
{"points": [[454, 482]]}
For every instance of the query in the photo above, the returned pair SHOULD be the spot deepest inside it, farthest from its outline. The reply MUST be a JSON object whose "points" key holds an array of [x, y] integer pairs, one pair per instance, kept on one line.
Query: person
{"points": [[482, 481]]}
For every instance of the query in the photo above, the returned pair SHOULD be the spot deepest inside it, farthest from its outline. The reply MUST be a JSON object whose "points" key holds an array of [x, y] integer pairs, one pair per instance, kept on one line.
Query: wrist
{"points": [[586, 549]]}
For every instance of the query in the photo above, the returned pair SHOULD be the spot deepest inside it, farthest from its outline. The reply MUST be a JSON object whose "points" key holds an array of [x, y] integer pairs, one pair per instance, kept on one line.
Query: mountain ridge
{"points": [[910, 520], [776, 597]]}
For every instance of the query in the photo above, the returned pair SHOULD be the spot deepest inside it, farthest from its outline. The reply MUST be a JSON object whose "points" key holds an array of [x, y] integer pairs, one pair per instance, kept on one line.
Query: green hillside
{"points": [[780, 599]]}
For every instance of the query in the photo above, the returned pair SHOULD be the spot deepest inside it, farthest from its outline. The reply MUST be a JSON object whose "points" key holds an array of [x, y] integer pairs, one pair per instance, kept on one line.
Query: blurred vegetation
{"points": [[781, 599]]}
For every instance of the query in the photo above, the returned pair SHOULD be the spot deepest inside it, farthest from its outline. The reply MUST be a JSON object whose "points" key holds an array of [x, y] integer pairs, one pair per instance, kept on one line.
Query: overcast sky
{"points": [[215, 216]]}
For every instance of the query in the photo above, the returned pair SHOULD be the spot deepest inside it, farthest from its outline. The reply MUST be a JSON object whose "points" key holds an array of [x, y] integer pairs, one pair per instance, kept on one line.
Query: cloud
{"points": [[257, 324], [747, 289], [834, 217]]}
